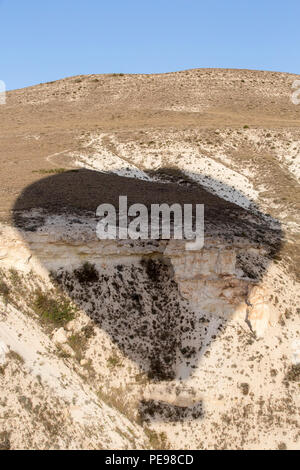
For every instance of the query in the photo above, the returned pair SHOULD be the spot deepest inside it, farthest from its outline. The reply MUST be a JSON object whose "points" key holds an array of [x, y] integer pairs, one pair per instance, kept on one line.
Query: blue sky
{"points": [[51, 39]]}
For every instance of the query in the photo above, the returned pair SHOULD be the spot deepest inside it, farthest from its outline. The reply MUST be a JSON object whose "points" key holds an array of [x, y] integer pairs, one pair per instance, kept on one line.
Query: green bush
{"points": [[78, 343], [52, 171], [86, 274], [56, 311]]}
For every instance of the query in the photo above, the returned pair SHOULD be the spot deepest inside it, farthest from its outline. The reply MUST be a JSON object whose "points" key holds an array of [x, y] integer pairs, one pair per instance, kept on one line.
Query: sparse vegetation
{"points": [[114, 361], [52, 171], [158, 441], [4, 440], [115, 398], [4, 290], [78, 343], [15, 357], [56, 311], [14, 277], [293, 374]]}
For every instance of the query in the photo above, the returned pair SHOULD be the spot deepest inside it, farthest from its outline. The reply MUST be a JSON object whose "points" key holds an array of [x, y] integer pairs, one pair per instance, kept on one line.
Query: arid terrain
{"points": [[123, 344]]}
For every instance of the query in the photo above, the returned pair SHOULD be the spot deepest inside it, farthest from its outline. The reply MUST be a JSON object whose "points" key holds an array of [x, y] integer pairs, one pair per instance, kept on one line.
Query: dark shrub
{"points": [[87, 274]]}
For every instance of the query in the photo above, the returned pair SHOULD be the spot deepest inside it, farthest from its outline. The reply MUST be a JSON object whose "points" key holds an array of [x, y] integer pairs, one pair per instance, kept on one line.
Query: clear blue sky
{"points": [[51, 39]]}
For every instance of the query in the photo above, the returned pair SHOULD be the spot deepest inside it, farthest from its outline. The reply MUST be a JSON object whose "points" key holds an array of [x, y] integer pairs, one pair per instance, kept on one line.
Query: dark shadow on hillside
{"points": [[141, 307], [154, 410]]}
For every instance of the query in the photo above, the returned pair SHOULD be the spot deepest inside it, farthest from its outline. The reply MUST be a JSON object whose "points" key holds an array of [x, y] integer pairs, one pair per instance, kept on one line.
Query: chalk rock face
{"points": [[212, 283], [3, 351], [208, 262], [168, 392], [60, 336], [259, 310], [209, 281]]}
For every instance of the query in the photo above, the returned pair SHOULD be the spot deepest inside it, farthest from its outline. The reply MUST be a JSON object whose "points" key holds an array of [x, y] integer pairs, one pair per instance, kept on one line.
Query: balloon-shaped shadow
{"points": [[140, 306]]}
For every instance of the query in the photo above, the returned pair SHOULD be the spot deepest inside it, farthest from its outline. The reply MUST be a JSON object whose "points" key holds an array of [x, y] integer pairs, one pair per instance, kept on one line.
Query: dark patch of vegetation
{"points": [[4, 290], [161, 368], [157, 441], [114, 361], [152, 410], [5, 440], [155, 321], [87, 274], [28, 224], [273, 372], [293, 374], [88, 331], [15, 357], [153, 269], [78, 343], [245, 388], [52, 310], [282, 446], [26, 403], [14, 277]]}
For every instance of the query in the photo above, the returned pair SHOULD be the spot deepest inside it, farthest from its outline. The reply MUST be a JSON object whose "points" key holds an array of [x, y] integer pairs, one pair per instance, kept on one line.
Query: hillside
{"points": [[121, 344]]}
